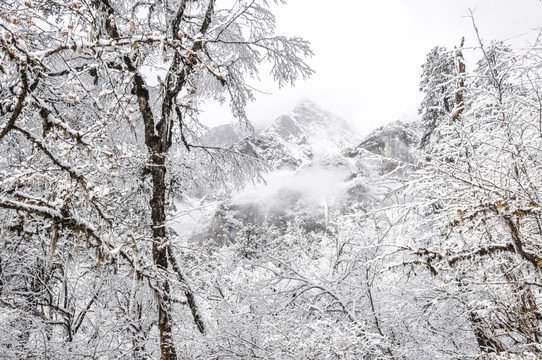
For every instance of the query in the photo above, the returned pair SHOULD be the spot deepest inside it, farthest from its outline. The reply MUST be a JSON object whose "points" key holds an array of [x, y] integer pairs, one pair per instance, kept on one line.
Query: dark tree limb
{"points": [[20, 103], [188, 292]]}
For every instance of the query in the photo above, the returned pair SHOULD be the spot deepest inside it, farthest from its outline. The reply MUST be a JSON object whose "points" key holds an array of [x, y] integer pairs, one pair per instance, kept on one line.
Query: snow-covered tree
{"points": [[442, 84], [99, 104], [478, 213], [438, 74]]}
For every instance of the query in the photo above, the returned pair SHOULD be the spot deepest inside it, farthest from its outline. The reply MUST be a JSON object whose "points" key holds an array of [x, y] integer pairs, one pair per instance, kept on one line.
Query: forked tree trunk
{"points": [[157, 147]]}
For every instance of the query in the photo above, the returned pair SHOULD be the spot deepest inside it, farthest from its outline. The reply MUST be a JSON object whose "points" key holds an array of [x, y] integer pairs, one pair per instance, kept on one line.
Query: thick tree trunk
{"points": [[159, 253]]}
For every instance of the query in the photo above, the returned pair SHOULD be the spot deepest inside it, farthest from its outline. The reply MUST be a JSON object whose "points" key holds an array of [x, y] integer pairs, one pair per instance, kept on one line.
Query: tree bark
{"points": [[159, 253]]}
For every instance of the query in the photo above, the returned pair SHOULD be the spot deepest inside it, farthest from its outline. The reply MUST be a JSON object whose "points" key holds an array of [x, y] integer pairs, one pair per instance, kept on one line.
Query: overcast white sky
{"points": [[368, 53]]}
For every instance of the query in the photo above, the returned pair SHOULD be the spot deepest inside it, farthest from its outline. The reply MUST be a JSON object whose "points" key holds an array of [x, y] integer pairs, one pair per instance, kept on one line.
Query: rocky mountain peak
{"points": [[309, 124]]}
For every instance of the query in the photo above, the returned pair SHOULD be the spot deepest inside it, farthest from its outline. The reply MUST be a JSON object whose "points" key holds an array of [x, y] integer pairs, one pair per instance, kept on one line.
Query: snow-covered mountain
{"points": [[320, 167], [308, 124], [299, 137]]}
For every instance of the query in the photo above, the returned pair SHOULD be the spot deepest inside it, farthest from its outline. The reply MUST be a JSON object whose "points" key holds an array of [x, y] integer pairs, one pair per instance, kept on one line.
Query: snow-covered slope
{"points": [[308, 124]]}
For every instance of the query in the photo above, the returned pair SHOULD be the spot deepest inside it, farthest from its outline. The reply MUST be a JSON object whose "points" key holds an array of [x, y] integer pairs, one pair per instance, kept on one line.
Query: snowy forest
{"points": [[131, 230]]}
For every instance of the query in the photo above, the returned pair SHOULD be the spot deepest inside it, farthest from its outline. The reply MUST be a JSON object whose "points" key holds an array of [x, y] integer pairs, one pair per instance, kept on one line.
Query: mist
{"points": [[314, 184]]}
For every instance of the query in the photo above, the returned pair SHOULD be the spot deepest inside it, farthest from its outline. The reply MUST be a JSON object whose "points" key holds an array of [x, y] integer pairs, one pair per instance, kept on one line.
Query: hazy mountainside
{"points": [[320, 170], [224, 135]]}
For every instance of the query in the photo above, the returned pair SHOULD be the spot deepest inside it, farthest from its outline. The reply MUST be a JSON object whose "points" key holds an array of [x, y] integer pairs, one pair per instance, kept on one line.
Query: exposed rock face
{"points": [[273, 152], [394, 141]]}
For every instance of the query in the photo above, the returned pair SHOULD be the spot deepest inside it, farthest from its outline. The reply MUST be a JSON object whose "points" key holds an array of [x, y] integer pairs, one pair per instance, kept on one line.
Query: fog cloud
{"points": [[314, 183]]}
